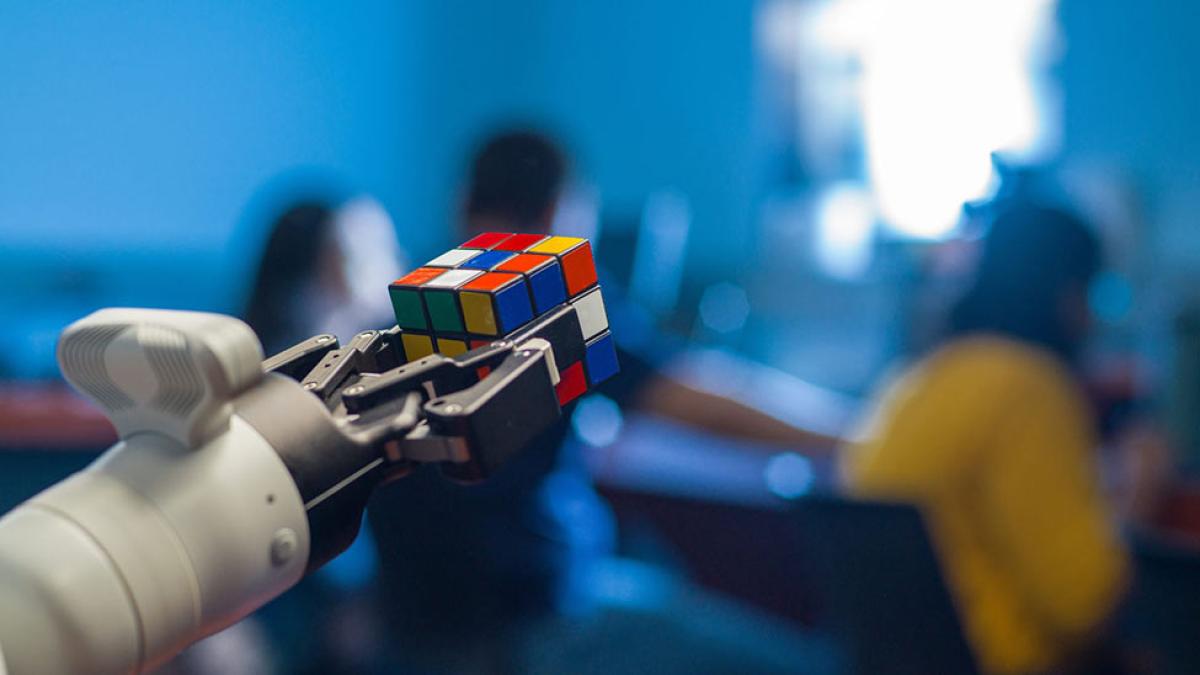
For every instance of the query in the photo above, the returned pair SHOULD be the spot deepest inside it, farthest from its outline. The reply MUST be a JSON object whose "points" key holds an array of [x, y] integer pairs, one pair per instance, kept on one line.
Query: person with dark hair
{"points": [[991, 437], [515, 181], [1031, 281], [319, 271], [300, 256]]}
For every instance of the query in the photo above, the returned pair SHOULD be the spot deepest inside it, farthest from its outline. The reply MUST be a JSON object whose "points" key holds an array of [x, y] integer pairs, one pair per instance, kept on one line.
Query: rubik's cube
{"points": [[499, 285]]}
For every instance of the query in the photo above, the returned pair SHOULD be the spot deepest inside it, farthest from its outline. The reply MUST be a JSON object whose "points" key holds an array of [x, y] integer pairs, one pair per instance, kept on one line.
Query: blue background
{"points": [[144, 142]]}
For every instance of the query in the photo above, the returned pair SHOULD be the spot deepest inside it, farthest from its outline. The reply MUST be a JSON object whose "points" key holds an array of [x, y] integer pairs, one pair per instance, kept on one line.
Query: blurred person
{"points": [[319, 271], [990, 435], [484, 578], [515, 183]]}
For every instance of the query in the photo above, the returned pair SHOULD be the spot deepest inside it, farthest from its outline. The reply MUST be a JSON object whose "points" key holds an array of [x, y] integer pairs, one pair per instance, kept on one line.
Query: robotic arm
{"points": [[234, 477]]}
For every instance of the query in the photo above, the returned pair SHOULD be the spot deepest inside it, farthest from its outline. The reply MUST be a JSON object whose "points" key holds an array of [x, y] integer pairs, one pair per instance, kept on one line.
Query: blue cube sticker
{"points": [[601, 359]]}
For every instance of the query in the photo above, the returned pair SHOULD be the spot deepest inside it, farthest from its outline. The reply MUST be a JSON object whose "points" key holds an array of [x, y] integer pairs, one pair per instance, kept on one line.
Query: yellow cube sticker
{"points": [[556, 245], [451, 347], [416, 346], [478, 314]]}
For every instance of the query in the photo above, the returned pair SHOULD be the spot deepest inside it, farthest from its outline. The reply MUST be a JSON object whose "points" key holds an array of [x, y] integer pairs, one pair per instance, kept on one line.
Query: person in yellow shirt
{"points": [[991, 437]]}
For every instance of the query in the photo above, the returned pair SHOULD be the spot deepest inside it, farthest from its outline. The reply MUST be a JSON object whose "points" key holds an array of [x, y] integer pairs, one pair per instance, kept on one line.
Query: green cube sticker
{"points": [[407, 305], [443, 311]]}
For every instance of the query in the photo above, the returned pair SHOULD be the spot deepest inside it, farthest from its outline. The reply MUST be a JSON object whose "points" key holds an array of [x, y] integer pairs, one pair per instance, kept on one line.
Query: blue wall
{"points": [[139, 141], [649, 95], [134, 136], [1131, 102]]}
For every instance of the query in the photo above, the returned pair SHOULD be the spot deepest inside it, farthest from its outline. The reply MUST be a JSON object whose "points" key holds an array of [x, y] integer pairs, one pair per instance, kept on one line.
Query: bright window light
{"points": [[942, 85]]}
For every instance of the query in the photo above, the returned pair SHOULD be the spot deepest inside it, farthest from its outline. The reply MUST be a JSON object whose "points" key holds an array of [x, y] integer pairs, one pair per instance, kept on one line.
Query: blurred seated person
{"points": [[320, 270], [991, 437], [469, 573], [322, 258]]}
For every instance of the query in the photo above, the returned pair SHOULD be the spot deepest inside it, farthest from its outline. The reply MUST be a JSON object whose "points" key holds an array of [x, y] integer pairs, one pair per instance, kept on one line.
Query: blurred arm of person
{"points": [[1136, 451], [1144, 467], [672, 399]]}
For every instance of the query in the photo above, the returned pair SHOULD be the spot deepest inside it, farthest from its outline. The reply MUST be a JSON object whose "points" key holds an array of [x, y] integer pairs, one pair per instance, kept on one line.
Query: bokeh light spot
{"points": [[724, 307], [597, 420], [788, 475]]}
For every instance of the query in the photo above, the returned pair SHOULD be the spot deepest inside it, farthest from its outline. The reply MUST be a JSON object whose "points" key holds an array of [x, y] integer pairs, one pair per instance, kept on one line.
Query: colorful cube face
{"points": [[487, 260], [453, 258], [495, 285], [406, 298], [575, 256], [544, 276], [495, 303]]}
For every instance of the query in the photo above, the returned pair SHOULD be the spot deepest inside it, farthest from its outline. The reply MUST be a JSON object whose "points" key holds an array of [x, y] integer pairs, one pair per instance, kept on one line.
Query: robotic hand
{"points": [[234, 477]]}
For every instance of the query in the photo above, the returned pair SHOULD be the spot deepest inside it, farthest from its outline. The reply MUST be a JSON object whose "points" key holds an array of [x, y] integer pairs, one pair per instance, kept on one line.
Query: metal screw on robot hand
{"points": [[356, 389], [310, 385]]}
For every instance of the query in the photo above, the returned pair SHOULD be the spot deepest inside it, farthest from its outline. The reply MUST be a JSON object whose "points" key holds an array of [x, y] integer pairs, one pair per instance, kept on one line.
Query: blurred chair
{"points": [[880, 589], [1163, 611]]}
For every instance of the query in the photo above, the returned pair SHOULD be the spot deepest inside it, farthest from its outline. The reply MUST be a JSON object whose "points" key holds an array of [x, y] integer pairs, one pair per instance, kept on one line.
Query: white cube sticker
{"points": [[453, 258], [453, 278], [589, 309]]}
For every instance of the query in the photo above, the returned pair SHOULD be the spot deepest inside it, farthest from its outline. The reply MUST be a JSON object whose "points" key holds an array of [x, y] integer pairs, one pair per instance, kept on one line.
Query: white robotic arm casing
{"points": [[228, 484], [188, 524], [172, 373]]}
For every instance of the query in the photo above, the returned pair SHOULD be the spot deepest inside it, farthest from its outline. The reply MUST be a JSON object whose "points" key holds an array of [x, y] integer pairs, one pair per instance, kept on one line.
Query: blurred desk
{"points": [[715, 506], [719, 509], [1179, 521], [50, 416], [662, 458], [47, 432]]}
